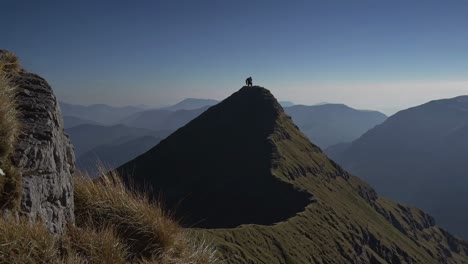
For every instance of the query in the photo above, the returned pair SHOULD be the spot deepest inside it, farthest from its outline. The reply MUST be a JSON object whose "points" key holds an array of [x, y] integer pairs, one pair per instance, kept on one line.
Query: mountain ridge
{"points": [[345, 222], [208, 143]]}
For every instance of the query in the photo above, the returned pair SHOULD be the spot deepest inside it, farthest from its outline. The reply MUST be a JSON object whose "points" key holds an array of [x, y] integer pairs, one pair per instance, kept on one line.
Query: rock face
{"points": [[44, 155]]}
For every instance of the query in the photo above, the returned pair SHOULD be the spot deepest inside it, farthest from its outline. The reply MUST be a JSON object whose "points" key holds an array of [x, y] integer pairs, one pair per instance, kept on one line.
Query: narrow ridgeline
{"points": [[265, 194]]}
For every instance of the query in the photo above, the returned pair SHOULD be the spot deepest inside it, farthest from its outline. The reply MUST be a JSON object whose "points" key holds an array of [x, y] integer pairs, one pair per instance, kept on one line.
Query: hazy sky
{"points": [[371, 54]]}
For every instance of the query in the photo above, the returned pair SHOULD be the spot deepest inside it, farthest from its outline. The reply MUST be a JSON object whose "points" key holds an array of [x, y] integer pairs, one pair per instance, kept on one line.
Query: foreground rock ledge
{"points": [[44, 155]]}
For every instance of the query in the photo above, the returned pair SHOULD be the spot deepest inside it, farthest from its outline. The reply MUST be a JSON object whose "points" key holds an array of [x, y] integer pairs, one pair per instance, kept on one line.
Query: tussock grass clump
{"points": [[21, 242], [25, 242], [10, 183], [151, 235], [9, 124], [95, 245], [114, 225], [9, 62]]}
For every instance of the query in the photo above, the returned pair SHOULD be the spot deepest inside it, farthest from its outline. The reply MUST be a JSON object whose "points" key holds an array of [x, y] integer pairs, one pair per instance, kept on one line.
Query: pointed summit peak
{"points": [[255, 93], [258, 91], [254, 98], [218, 170], [253, 108]]}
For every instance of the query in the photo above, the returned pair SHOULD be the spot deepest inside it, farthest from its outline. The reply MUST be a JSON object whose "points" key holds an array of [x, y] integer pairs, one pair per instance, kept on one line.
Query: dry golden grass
{"points": [[10, 184], [9, 62], [24, 242], [9, 124], [95, 245], [21, 242], [150, 234]]}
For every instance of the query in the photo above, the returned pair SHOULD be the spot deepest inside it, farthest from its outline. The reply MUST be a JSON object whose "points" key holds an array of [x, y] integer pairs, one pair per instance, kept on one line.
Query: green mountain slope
{"points": [[258, 164]]}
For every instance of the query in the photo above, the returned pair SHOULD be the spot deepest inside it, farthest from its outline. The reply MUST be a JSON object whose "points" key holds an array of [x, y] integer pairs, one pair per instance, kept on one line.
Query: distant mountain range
{"points": [[111, 115], [73, 121], [99, 113], [326, 124], [330, 124], [86, 137], [286, 103], [418, 156], [133, 131], [112, 155], [243, 163], [191, 104], [162, 119], [110, 145]]}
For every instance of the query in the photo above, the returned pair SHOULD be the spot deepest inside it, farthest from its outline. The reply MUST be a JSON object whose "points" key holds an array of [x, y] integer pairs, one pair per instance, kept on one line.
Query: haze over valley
{"points": [[233, 132]]}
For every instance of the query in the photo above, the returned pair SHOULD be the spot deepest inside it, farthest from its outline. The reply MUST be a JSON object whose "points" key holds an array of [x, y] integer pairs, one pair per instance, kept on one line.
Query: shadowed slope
{"points": [[218, 167], [347, 222]]}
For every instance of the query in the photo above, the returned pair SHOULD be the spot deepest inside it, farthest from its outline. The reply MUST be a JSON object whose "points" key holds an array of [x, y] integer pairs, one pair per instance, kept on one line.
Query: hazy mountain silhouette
{"points": [[418, 156], [162, 119], [330, 124], [244, 162], [112, 155], [286, 103], [73, 121], [327, 124], [191, 104], [87, 137], [337, 149], [100, 113]]}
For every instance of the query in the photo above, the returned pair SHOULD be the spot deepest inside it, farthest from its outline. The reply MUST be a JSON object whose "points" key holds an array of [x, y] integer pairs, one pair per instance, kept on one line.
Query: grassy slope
{"points": [[147, 232], [348, 223], [113, 225], [24, 242]]}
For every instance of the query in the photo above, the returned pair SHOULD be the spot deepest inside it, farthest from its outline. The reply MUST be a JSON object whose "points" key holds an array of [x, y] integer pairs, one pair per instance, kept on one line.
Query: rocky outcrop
{"points": [[43, 155]]}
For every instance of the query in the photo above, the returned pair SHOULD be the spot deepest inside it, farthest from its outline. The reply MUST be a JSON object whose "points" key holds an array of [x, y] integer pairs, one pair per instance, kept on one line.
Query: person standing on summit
{"points": [[249, 81]]}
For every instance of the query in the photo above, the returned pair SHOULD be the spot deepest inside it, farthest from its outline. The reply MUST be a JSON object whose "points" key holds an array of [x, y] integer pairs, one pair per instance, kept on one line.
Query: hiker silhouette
{"points": [[248, 81]]}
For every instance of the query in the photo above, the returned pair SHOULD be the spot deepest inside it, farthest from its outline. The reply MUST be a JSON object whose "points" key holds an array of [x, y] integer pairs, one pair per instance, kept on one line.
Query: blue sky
{"points": [[370, 54]]}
